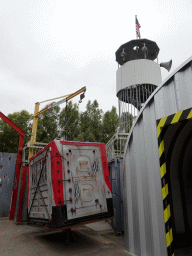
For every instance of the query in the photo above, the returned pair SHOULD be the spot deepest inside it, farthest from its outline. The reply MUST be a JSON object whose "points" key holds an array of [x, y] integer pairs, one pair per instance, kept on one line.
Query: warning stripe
{"points": [[162, 126], [165, 192], [172, 119]]}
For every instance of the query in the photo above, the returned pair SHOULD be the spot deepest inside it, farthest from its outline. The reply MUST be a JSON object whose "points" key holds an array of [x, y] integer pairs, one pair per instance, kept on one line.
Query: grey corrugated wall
{"points": [[144, 216]]}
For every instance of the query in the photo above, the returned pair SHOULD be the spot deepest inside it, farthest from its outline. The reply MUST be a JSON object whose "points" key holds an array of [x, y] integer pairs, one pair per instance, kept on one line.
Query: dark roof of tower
{"points": [[132, 50]]}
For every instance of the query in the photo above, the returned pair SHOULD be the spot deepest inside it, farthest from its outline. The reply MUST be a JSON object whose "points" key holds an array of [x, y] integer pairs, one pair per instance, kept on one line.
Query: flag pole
{"points": [[135, 26]]}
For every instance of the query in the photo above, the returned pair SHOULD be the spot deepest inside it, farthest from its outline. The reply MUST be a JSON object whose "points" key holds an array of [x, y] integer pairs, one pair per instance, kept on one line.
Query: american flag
{"points": [[137, 28]]}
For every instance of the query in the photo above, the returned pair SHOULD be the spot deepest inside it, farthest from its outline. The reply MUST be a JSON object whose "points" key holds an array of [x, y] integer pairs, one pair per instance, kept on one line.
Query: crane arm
{"points": [[37, 113]]}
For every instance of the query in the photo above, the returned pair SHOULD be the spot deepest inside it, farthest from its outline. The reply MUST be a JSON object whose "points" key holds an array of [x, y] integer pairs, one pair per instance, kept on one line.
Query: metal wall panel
{"points": [[135, 207], [128, 199], [154, 209], [115, 171], [183, 87], [169, 98], [159, 104], [144, 217], [139, 197], [7, 171]]}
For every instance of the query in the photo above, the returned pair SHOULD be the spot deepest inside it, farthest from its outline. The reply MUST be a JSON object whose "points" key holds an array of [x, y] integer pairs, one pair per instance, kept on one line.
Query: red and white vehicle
{"points": [[68, 184]]}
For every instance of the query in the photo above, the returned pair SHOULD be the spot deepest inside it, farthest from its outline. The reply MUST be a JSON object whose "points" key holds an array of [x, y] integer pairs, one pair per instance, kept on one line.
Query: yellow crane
{"points": [[37, 113]]}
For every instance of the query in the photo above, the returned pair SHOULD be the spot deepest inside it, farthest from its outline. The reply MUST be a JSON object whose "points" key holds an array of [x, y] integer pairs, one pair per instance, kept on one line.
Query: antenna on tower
{"points": [[144, 49]]}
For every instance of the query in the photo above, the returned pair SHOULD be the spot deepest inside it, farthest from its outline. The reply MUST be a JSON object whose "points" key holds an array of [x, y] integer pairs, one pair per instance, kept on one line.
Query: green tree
{"points": [[125, 122], [91, 123], [69, 122], [9, 138], [110, 124], [48, 125]]}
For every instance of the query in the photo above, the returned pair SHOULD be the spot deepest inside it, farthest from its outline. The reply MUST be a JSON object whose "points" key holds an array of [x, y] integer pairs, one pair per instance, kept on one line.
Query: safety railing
{"points": [[115, 146]]}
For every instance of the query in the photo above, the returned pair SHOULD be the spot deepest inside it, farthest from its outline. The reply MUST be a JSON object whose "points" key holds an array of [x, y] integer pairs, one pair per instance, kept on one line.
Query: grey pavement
{"points": [[91, 239], [105, 230]]}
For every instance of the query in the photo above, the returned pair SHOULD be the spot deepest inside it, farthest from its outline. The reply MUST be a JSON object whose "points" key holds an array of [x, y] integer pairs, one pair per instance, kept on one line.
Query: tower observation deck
{"points": [[136, 79]]}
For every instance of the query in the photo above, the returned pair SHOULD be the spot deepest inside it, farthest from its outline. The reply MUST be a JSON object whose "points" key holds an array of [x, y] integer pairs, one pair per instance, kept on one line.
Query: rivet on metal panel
{"points": [[70, 190], [68, 171], [67, 154], [58, 191], [57, 162], [71, 200], [68, 163], [58, 171]]}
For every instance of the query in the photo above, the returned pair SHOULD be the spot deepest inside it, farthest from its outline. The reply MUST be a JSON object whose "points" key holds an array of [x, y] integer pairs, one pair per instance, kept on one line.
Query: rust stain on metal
{"points": [[83, 164], [10, 158], [87, 191], [1, 167]]}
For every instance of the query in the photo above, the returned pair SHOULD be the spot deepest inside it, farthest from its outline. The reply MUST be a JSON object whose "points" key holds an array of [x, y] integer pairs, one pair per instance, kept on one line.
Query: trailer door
{"points": [[84, 184]]}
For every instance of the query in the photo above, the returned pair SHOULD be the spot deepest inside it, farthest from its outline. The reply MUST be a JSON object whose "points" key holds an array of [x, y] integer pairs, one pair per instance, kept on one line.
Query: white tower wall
{"points": [[136, 72]]}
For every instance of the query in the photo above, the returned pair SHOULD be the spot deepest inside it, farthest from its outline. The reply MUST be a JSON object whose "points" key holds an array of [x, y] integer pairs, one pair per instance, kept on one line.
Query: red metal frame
{"points": [[18, 164], [21, 193], [56, 174]]}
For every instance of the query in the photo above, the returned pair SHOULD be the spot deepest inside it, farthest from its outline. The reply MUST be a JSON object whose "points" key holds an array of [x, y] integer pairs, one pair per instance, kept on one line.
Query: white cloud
{"points": [[50, 48]]}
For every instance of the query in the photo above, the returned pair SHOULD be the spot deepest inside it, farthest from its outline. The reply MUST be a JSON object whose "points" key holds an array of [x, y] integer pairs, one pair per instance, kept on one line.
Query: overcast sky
{"points": [[49, 48]]}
